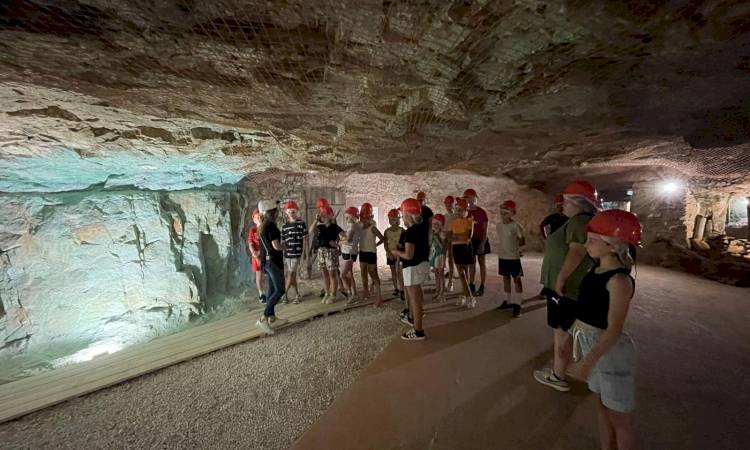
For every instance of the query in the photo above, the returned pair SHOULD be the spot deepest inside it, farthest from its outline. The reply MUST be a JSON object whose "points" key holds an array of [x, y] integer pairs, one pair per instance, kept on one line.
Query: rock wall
{"points": [[386, 191], [663, 217], [93, 267]]}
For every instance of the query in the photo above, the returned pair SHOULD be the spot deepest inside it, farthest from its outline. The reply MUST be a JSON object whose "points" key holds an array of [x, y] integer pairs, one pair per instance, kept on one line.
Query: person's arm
{"points": [[276, 241], [483, 227], [313, 233], [378, 235], [620, 290], [574, 258], [407, 254], [387, 250], [543, 229], [521, 237], [350, 235]]}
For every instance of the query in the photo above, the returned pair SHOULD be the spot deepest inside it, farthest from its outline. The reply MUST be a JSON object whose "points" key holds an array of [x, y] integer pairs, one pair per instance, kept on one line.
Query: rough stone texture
{"points": [[111, 268], [663, 217], [529, 88]]}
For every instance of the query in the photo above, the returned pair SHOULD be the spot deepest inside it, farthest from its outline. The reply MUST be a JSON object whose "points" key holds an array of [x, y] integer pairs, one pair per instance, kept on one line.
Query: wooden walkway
{"points": [[27, 395]]}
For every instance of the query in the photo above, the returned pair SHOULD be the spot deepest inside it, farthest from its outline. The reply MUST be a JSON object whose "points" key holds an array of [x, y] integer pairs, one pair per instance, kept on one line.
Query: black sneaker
{"points": [[262, 299], [473, 290], [322, 293], [516, 311], [503, 305], [480, 291], [413, 335], [395, 292]]}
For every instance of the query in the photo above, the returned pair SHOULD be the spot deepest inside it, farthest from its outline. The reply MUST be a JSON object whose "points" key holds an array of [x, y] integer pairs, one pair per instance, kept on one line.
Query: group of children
{"points": [[585, 272]]}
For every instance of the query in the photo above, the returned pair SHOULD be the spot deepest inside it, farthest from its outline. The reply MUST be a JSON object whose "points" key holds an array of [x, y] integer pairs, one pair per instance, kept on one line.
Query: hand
{"points": [[560, 288], [580, 370]]}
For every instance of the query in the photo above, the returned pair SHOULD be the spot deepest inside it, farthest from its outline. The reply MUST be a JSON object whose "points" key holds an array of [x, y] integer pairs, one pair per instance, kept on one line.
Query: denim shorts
{"points": [[613, 377]]}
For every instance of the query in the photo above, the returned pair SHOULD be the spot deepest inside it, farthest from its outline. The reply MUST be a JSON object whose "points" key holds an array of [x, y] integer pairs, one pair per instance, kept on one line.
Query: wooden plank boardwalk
{"points": [[34, 393]]}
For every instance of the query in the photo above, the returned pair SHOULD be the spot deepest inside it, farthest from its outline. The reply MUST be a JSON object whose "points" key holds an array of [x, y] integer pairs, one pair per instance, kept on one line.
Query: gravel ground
{"points": [[262, 394]]}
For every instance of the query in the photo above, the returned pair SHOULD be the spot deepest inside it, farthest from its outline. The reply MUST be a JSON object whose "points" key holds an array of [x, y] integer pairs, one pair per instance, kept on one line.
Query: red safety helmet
{"points": [[421, 196], [352, 211], [326, 210], [365, 210], [411, 206], [321, 203], [618, 224], [462, 203], [509, 205], [439, 218], [470, 193], [392, 214], [559, 199], [449, 200], [583, 189], [291, 204]]}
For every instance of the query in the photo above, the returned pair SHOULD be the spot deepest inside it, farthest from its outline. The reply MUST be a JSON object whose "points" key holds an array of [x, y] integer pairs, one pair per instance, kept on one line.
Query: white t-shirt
{"points": [[353, 247], [509, 234]]}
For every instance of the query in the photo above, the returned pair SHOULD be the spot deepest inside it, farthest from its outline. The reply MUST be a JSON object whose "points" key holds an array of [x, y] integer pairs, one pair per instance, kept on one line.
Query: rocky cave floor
{"points": [[260, 394]]}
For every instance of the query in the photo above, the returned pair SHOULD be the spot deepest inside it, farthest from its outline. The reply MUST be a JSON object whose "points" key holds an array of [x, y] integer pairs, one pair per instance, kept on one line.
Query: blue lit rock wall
{"points": [[116, 267]]}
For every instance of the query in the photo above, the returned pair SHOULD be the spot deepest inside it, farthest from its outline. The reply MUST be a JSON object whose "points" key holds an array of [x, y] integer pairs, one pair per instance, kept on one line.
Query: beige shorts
{"points": [[416, 275], [291, 264], [328, 258]]}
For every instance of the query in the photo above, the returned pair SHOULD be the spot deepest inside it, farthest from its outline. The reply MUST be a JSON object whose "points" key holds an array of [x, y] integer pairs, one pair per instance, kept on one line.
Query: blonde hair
{"points": [[622, 250]]}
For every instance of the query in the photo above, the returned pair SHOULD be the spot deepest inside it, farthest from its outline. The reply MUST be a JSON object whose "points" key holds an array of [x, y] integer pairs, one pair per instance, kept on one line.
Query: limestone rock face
{"points": [[525, 88], [112, 267]]}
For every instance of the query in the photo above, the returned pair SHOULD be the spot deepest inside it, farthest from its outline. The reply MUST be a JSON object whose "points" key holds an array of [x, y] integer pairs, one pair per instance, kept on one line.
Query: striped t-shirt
{"points": [[293, 233]]}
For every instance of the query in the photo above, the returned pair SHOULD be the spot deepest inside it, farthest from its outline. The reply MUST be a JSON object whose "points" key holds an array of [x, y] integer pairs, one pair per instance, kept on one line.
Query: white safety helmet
{"points": [[267, 205]]}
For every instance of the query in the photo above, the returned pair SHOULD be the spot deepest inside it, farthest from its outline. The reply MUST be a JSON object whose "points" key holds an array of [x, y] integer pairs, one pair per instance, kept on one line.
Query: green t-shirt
{"points": [[556, 249]]}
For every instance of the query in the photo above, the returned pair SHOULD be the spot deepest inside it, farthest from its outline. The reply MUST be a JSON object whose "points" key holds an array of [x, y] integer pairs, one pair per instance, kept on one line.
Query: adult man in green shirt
{"points": [[564, 266]]}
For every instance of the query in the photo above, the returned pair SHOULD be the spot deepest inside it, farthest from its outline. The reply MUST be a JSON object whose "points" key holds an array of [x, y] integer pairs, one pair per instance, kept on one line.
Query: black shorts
{"points": [[560, 311], [390, 262], [509, 267], [347, 257], [462, 255], [368, 257], [481, 251]]}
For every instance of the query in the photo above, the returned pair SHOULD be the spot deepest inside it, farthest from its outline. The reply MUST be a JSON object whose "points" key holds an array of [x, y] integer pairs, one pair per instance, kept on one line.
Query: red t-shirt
{"points": [[252, 238], [480, 221]]}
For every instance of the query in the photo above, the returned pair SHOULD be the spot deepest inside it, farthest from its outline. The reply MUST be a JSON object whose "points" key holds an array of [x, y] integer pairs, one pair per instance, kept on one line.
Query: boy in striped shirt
{"points": [[293, 233]]}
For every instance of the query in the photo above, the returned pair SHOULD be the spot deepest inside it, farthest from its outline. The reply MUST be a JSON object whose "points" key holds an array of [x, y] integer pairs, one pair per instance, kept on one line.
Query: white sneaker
{"points": [[472, 303], [461, 301], [325, 299], [263, 324]]}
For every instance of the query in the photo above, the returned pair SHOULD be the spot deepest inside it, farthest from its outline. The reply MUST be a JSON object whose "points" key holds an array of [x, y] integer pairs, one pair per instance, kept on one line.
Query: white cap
{"points": [[266, 205]]}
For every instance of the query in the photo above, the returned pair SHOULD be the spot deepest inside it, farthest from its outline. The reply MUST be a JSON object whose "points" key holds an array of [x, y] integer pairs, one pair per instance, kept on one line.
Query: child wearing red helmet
{"points": [[511, 239], [437, 256], [414, 258], [350, 250], [460, 237], [449, 214], [368, 256], [328, 235], [479, 243], [392, 236], [293, 232], [564, 265], [607, 355], [253, 244]]}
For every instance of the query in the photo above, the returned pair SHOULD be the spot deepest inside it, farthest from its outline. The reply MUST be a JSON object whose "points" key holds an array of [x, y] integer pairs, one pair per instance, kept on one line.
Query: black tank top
{"points": [[592, 306]]}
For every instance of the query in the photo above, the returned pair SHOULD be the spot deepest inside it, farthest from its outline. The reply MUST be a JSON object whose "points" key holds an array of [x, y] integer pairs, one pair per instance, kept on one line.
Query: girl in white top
{"points": [[349, 251]]}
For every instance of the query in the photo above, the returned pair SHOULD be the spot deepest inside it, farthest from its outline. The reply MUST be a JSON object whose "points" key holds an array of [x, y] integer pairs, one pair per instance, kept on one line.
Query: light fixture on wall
{"points": [[670, 187]]}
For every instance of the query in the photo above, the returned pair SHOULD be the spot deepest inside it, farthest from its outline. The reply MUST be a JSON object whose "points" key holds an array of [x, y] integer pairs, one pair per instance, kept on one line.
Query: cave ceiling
{"points": [[527, 89]]}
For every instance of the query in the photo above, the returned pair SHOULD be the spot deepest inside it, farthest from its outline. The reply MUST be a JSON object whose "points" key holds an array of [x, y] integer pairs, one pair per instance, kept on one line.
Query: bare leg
{"points": [[606, 430], [416, 297], [506, 284], [563, 352], [373, 269], [451, 267], [462, 275], [518, 282], [335, 282], [624, 426], [365, 284], [472, 271], [394, 276], [482, 269], [259, 282], [440, 279]]}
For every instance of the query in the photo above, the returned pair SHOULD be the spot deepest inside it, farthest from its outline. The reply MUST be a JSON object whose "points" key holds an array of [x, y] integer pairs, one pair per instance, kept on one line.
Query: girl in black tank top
{"points": [[608, 354]]}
